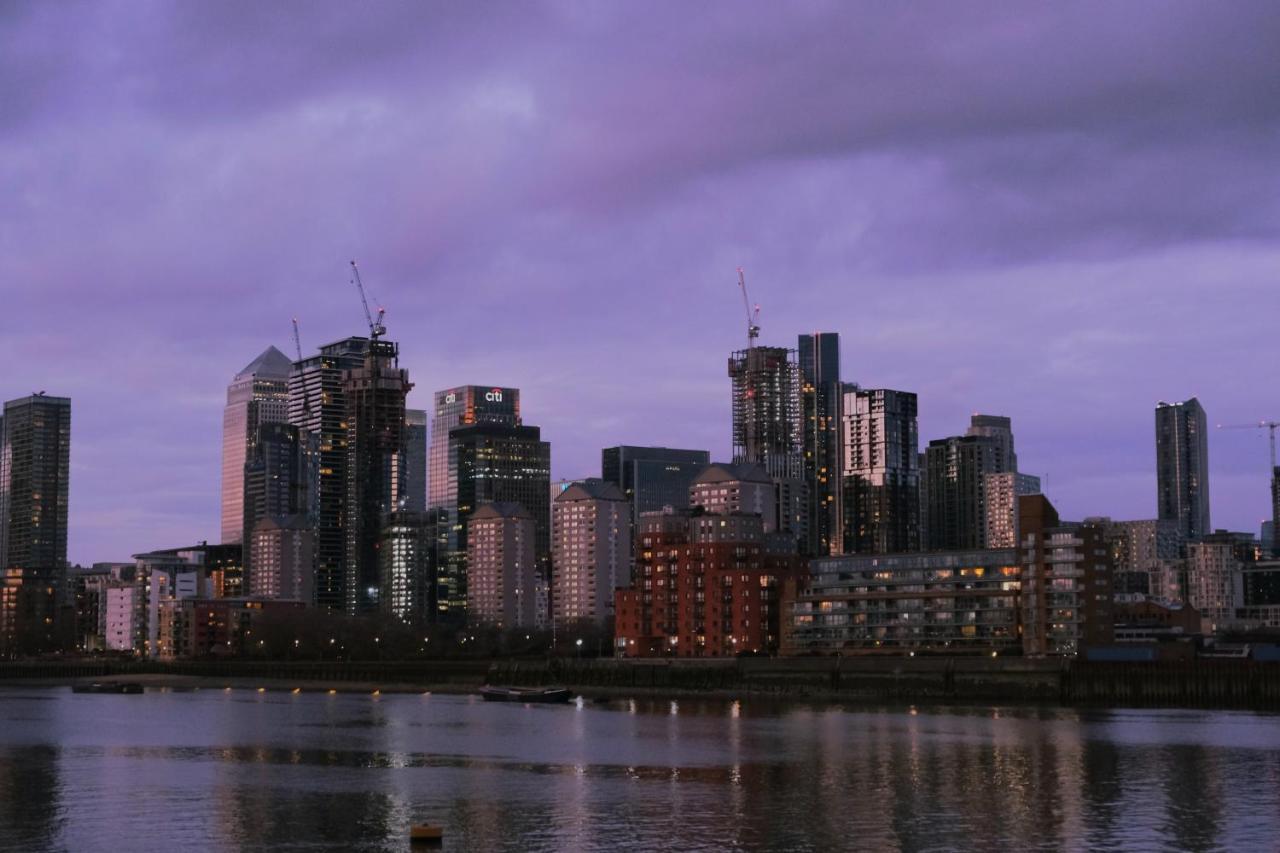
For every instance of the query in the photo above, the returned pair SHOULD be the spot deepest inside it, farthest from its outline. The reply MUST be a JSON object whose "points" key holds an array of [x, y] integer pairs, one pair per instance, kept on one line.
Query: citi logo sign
{"points": [[494, 396], [450, 398]]}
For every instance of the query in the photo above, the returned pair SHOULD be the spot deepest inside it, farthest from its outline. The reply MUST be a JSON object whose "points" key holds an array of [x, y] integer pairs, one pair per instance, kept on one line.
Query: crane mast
{"points": [[297, 342], [376, 329], [753, 316], [1269, 426]]}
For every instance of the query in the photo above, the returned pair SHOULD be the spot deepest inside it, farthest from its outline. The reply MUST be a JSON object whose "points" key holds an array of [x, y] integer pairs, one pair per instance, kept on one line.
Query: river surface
{"points": [[242, 770]]}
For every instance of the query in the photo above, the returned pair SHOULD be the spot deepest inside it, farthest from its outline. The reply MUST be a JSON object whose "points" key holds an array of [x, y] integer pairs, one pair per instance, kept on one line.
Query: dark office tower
{"points": [[35, 467], [820, 401], [767, 428], [880, 471], [463, 406], [275, 482], [1182, 466], [414, 491], [375, 395], [652, 477], [496, 463], [259, 394], [318, 407]]}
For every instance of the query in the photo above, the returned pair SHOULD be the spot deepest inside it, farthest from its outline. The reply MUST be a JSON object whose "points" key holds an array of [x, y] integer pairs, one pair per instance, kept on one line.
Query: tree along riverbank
{"points": [[962, 680]]}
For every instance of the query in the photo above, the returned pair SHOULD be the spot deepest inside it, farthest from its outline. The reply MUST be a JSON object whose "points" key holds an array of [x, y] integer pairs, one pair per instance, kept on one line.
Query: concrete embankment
{"points": [[1203, 684]]}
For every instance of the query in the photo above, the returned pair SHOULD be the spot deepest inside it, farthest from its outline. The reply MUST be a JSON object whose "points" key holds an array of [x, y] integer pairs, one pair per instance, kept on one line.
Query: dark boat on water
{"points": [[124, 687], [526, 694]]}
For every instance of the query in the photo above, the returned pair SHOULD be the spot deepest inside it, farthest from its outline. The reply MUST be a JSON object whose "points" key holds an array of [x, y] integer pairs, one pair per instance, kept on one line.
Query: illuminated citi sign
{"points": [[493, 395]]}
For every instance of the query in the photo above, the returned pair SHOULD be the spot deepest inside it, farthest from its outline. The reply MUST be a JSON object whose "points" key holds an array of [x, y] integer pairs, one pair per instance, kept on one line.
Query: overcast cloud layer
{"points": [[1058, 212]]}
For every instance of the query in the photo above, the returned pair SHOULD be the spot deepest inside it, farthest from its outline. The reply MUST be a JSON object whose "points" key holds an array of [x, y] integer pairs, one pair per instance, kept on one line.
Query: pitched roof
{"points": [[591, 489], [271, 362], [723, 472], [501, 509]]}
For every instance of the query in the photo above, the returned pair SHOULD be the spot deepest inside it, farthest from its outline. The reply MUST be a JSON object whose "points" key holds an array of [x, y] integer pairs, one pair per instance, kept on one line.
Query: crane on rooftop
{"points": [[1269, 426], [297, 342], [376, 329], [753, 316]]}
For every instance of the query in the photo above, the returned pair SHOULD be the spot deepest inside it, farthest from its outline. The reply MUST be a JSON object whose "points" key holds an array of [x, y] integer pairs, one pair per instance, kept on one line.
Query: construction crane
{"points": [[376, 329], [753, 316], [297, 342], [1269, 426]]}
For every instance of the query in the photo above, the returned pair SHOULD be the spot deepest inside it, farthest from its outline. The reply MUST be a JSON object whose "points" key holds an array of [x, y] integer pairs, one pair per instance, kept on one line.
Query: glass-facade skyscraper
{"points": [[375, 421], [820, 400], [462, 406], [652, 477], [318, 407], [257, 395]]}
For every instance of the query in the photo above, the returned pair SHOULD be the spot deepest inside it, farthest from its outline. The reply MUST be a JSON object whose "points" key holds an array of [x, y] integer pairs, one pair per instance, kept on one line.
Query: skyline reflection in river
{"points": [[228, 770]]}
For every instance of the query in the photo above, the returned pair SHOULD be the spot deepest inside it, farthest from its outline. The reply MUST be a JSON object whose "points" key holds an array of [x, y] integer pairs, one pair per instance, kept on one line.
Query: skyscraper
{"points": [[463, 406], [1182, 466], [495, 462], [590, 551], [956, 472], [275, 485], [880, 471], [821, 398], [375, 394], [318, 407], [257, 395], [414, 491], [767, 418], [35, 468]]}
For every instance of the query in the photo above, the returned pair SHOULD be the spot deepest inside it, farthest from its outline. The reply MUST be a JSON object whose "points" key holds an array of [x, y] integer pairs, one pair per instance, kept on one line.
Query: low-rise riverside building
{"points": [[946, 601]]}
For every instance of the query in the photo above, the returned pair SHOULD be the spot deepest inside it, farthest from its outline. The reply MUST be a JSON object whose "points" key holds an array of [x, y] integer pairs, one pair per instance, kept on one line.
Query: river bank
{"points": [[1224, 684]]}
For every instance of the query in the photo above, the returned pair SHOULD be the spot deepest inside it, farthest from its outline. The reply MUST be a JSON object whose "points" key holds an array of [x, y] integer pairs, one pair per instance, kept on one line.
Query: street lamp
{"points": [[578, 643]]}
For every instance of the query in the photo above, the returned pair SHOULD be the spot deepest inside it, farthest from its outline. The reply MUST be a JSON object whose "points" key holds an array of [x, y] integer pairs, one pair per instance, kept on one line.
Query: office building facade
{"points": [[408, 559], [652, 477], [259, 394], [275, 481], [375, 398], [318, 407], [821, 399]]}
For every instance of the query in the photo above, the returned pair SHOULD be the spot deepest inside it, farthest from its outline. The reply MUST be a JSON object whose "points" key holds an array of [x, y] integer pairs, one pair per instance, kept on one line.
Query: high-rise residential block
{"points": [[259, 394], [502, 566], [880, 471], [1182, 466], [821, 398], [318, 407], [725, 489], [35, 469], [280, 553], [275, 481], [375, 399], [408, 559], [590, 551], [1067, 591], [1000, 512], [768, 425], [955, 483]]}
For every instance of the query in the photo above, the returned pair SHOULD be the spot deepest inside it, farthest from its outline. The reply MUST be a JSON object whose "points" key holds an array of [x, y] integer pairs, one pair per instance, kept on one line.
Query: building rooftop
{"points": [[271, 362], [591, 489], [501, 509], [724, 472]]}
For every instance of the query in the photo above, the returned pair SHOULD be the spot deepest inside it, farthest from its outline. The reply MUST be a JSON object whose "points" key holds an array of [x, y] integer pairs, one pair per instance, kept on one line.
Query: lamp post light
{"points": [[578, 643]]}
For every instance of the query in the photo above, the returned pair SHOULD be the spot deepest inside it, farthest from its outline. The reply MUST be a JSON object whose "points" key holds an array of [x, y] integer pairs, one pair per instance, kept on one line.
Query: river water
{"points": [[242, 770]]}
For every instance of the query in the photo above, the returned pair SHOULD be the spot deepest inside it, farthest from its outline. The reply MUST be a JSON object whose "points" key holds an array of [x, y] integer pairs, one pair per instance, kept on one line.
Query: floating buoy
{"points": [[426, 833]]}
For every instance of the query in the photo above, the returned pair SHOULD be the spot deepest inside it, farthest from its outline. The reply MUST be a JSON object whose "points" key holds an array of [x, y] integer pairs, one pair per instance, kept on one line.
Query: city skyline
{"points": [[1067, 252]]}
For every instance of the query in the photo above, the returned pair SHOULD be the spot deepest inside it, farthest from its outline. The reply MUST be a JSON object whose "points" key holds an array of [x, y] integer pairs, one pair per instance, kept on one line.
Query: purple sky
{"points": [[1058, 212]]}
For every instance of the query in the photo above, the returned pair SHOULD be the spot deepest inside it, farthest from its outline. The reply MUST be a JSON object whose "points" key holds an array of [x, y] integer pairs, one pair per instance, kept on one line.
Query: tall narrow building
{"points": [[414, 491], [767, 419], [821, 399], [275, 485], [318, 407], [502, 571], [590, 551], [496, 462], [35, 470], [375, 394], [1182, 467], [257, 395], [880, 471]]}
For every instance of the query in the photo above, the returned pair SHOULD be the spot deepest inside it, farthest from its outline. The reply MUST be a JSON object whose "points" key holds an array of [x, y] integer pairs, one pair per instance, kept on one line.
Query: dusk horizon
{"points": [[1081, 240]]}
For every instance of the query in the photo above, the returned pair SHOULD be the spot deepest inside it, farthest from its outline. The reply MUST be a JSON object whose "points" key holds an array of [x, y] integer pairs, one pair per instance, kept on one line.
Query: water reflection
{"points": [[241, 770]]}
